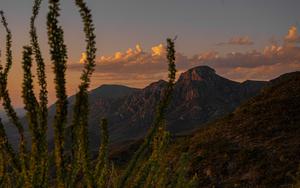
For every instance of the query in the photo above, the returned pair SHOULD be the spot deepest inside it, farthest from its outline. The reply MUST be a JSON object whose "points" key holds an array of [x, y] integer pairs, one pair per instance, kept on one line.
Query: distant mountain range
{"points": [[200, 96], [20, 111]]}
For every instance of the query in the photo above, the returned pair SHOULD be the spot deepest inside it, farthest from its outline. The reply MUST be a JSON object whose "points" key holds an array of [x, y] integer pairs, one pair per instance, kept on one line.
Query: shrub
{"points": [[24, 168]]}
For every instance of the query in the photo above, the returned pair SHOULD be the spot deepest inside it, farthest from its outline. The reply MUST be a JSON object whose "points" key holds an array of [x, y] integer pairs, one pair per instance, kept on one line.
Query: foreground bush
{"points": [[30, 167]]}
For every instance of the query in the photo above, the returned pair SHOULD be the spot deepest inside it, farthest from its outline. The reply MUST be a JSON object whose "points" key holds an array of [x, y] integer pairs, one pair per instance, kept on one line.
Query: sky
{"points": [[240, 39]]}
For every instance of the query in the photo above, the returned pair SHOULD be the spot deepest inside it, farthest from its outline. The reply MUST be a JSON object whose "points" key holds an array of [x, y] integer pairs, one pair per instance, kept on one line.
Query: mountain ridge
{"points": [[134, 116], [200, 96]]}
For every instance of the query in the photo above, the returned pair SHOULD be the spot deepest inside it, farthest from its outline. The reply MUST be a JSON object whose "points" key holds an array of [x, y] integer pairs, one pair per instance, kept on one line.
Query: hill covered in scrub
{"points": [[258, 145]]}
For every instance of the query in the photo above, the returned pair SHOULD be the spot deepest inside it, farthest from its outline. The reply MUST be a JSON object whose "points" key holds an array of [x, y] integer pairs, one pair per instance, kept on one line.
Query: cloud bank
{"points": [[244, 40], [137, 67], [292, 36]]}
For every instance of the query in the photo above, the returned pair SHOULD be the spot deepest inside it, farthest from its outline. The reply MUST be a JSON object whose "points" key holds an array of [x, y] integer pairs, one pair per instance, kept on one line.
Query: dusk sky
{"points": [[240, 39]]}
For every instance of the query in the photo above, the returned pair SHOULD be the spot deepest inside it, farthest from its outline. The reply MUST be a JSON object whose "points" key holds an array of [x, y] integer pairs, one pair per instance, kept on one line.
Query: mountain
{"points": [[20, 112], [104, 95], [258, 145], [101, 100], [3, 115], [200, 96]]}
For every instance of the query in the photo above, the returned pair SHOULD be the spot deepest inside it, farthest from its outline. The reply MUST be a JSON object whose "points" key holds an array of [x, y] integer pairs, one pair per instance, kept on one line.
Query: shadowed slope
{"points": [[257, 145]]}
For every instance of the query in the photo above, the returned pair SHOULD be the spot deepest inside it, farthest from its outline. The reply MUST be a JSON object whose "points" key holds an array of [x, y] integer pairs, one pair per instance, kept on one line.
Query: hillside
{"points": [[258, 145]]}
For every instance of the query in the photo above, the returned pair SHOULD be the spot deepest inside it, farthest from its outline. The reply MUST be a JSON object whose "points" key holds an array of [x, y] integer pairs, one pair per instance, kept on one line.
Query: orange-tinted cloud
{"points": [[158, 50], [209, 55], [136, 66], [292, 35], [272, 50], [83, 58], [241, 40], [264, 72]]}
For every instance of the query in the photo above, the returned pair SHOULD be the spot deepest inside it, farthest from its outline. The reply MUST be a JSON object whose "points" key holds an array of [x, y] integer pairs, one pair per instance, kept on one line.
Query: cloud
{"points": [[241, 40], [83, 58], [131, 60], [158, 50], [127, 56], [138, 67], [292, 35], [269, 56], [272, 50], [205, 56], [263, 72]]}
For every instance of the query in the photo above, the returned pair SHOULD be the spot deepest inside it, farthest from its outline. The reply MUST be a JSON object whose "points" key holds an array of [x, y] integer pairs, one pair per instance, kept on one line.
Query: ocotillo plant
{"points": [[73, 166], [42, 106], [102, 167], [34, 172], [58, 53], [19, 166]]}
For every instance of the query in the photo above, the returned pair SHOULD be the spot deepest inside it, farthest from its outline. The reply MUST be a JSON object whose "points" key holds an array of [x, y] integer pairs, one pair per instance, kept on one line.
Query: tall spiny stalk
{"points": [[101, 172], [6, 101], [8, 45], [147, 175], [160, 144], [79, 127], [43, 100], [2, 164], [31, 106], [7, 151], [58, 52], [180, 179], [193, 182], [160, 114]]}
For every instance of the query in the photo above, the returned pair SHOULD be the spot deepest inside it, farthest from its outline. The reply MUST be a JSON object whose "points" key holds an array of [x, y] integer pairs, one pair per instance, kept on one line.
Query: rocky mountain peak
{"points": [[160, 84], [198, 74]]}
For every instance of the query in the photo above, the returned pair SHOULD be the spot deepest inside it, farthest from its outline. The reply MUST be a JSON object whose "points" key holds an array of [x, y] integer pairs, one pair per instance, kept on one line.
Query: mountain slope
{"points": [[105, 96], [3, 116], [258, 145]]}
